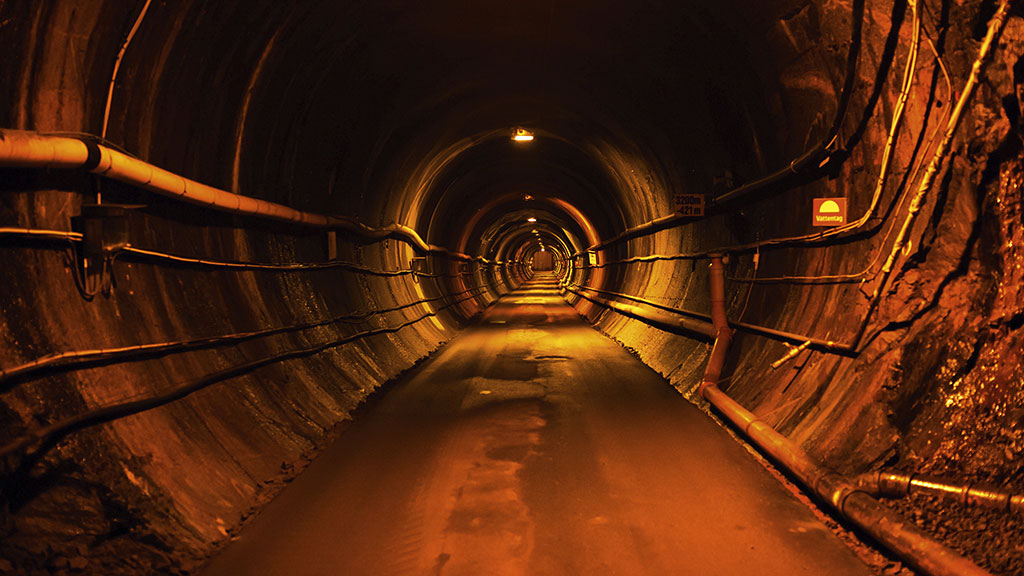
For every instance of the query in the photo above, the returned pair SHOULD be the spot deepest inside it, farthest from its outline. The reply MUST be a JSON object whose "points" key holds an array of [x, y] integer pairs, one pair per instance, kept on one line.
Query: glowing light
{"points": [[522, 135], [829, 207], [527, 197], [531, 219]]}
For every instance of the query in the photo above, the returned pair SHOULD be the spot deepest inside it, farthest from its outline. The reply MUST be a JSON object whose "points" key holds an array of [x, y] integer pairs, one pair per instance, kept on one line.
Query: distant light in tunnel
{"points": [[531, 219], [527, 197], [523, 135]]}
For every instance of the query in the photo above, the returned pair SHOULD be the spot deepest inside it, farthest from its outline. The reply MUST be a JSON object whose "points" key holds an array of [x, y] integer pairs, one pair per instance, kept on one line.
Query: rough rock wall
{"points": [[936, 384], [954, 299]]}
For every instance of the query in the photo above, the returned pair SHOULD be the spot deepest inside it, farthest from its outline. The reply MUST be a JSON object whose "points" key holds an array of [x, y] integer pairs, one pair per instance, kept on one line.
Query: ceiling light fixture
{"points": [[531, 219], [522, 135]]}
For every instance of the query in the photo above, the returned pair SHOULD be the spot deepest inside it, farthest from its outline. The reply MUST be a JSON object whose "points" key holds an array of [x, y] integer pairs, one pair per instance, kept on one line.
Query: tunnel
{"points": [[235, 233]]}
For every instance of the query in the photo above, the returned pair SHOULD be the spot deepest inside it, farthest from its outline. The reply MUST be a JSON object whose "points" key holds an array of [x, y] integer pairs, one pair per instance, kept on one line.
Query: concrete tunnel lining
{"points": [[390, 114]]}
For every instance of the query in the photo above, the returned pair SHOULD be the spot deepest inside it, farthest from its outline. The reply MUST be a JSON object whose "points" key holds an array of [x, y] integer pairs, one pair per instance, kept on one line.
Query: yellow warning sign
{"points": [[829, 212]]}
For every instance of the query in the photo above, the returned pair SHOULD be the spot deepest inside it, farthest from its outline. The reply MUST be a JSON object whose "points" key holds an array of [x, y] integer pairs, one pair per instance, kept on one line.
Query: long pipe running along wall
{"points": [[887, 527], [31, 150]]}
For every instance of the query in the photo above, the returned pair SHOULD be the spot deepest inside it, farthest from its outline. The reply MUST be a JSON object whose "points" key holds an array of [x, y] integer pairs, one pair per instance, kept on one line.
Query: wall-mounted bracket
{"points": [[104, 229]]}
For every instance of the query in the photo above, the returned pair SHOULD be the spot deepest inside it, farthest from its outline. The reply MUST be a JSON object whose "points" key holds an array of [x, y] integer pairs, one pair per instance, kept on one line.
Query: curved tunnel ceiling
{"points": [[399, 112]]}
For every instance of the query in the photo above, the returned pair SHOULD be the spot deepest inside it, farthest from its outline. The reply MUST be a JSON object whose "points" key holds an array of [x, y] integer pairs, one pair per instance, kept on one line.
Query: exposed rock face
{"points": [[392, 114]]}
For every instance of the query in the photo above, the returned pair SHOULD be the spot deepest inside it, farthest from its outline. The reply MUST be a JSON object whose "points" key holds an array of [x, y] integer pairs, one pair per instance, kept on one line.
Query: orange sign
{"points": [[829, 212]]}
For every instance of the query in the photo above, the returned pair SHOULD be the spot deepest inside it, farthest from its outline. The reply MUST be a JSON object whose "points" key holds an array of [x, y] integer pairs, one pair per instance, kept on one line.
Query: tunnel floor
{"points": [[533, 444]]}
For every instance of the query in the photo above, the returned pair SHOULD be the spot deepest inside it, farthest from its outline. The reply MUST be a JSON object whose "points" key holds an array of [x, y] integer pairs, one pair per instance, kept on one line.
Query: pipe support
{"points": [[23, 149]]}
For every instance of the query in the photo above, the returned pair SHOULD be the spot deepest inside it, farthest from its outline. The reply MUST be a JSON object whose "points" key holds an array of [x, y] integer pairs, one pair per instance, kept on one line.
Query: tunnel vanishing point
{"points": [[228, 230]]}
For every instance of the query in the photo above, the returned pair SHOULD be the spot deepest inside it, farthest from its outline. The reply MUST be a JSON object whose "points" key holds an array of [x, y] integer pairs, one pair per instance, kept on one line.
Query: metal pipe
{"points": [[659, 320], [791, 354], [846, 497], [903, 538], [640, 230], [797, 339], [40, 233], [44, 437], [896, 485], [24, 149], [815, 158], [717, 280], [996, 25], [720, 322], [76, 359], [117, 65]]}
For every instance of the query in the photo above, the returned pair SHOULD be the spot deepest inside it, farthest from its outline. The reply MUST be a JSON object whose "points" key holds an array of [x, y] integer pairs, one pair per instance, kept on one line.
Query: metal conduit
{"points": [[658, 320], [79, 359], [856, 505], [815, 158], [281, 266], [848, 498], [896, 485], [156, 255], [852, 503], [25, 149], [46, 436], [40, 233], [707, 329]]}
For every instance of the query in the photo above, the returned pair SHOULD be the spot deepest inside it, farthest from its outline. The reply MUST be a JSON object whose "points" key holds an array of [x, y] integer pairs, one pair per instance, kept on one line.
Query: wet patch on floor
{"points": [[514, 367], [489, 528], [486, 392]]}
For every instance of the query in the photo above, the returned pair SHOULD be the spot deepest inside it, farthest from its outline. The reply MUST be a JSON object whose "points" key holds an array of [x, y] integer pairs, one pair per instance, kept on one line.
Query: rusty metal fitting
{"points": [[988, 497]]}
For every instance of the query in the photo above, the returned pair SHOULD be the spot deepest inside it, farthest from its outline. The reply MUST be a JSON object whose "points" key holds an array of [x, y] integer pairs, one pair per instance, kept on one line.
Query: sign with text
{"points": [[689, 204], [829, 212]]}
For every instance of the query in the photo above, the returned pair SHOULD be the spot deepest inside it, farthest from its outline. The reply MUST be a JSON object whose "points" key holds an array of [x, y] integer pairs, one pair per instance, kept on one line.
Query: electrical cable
{"points": [[996, 25], [80, 359], [750, 289], [117, 65], [817, 158], [995, 28], [816, 343], [158, 255], [47, 436], [917, 163], [154, 254], [41, 233]]}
